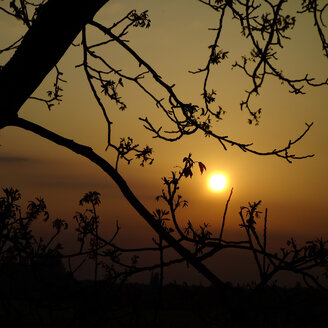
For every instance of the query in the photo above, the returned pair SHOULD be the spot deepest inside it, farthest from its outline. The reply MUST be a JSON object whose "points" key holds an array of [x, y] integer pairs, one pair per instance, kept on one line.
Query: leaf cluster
{"points": [[17, 240]]}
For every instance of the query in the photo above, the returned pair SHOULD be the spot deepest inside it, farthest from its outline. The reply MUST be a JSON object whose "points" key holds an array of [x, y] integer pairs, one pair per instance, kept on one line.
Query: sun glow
{"points": [[217, 182]]}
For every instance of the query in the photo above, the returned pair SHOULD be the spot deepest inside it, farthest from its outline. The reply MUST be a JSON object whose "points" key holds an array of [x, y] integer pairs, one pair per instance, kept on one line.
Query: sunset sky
{"points": [[177, 41]]}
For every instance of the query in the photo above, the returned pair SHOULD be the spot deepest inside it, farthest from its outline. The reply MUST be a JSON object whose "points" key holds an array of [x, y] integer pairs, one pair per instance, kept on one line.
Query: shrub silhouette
{"points": [[37, 279]]}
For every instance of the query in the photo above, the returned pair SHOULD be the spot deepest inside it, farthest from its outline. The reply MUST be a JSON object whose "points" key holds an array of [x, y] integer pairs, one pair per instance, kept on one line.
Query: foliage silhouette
{"points": [[36, 288], [264, 25]]}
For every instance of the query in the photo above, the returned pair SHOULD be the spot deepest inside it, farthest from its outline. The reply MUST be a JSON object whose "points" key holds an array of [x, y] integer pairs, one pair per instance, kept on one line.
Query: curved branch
{"points": [[190, 124], [88, 153]]}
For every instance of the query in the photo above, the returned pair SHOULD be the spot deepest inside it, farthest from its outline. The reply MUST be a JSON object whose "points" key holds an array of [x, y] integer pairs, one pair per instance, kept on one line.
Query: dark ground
{"points": [[65, 302]]}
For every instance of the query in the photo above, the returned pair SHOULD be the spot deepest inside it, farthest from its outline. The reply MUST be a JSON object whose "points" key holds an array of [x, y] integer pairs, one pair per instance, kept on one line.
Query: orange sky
{"points": [[296, 194]]}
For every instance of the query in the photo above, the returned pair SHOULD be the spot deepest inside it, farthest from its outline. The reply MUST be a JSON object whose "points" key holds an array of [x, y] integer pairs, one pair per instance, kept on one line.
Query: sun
{"points": [[218, 182]]}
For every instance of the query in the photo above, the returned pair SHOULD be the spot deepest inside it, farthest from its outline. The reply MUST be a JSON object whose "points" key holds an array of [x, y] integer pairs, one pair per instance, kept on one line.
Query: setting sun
{"points": [[218, 182]]}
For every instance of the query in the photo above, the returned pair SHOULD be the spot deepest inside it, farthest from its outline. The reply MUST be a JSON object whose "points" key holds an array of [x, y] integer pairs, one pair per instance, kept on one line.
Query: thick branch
{"points": [[88, 153], [40, 50]]}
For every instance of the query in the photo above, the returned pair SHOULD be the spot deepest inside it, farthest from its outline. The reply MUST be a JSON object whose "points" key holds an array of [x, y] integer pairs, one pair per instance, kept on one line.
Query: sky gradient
{"points": [[177, 41]]}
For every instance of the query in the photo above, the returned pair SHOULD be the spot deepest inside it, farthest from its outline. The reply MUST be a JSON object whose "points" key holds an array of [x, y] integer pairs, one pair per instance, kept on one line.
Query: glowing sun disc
{"points": [[218, 182]]}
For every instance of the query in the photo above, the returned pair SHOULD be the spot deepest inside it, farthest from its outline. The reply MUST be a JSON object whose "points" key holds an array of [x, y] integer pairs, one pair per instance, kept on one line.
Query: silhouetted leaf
{"points": [[187, 172], [202, 167]]}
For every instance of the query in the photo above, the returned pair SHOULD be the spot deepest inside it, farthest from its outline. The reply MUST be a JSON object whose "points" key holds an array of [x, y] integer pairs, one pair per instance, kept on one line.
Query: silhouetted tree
{"points": [[32, 272], [27, 260], [263, 24]]}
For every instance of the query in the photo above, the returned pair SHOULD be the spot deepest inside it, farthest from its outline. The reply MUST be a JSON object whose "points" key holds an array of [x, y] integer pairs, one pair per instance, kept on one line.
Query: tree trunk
{"points": [[58, 23]]}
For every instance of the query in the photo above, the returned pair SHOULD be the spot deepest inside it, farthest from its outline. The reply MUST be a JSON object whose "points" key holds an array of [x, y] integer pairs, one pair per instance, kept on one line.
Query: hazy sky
{"points": [[177, 41]]}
